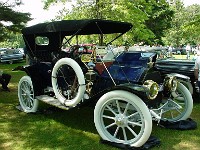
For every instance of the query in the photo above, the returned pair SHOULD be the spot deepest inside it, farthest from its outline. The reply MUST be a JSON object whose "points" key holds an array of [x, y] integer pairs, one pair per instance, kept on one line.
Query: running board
{"points": [[52, 101]]}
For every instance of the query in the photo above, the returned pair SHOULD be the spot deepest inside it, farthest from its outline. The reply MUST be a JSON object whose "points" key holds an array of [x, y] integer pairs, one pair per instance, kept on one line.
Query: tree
{"points": [[159, 20], [174, 34], [191, 27], [149, 17], [185, 25], [11, 21]]}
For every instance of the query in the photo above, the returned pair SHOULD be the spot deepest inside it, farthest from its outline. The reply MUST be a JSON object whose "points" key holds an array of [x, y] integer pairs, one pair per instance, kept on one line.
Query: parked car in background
{"points": [[21, 50], [176, 51], [126, 90], [88, 47], [10, 55]]}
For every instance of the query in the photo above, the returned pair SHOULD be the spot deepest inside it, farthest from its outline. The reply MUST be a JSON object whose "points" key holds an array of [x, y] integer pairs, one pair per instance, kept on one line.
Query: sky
{"points": [[35, 7], [190, 2]]}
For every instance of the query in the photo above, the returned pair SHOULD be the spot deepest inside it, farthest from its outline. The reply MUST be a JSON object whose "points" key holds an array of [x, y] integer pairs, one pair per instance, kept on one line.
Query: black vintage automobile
{"points": [[126, 90]]}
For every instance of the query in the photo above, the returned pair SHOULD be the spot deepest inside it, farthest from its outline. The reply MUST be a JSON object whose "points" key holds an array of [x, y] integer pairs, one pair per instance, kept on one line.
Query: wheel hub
{"points": [[121, 120]]}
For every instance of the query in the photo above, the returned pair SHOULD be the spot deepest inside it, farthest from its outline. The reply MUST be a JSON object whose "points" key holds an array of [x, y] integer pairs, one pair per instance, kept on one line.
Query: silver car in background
{"points": [[10, 55]]}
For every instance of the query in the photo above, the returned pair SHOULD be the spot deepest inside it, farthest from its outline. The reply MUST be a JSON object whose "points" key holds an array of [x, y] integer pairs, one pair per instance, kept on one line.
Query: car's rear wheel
{"points": [[122, 117], [188, 85], [68, 82], [26, 95], [179, 106]]}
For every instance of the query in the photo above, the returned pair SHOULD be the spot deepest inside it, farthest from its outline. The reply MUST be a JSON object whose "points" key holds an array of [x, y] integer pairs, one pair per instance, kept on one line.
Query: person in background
{"points": [[4, 80], [198, 47], [188, 49], [197, 69], [195, 56], [170, 49]]}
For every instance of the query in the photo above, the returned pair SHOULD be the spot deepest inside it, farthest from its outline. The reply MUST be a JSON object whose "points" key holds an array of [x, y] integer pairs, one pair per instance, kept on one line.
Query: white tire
{"points": [[188, 85], [81, 82], [122, 117], [26, 95]]}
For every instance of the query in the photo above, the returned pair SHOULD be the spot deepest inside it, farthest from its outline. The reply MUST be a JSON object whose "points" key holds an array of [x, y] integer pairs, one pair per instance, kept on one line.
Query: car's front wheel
{"points": [[177, 107], [26, 95], [122, 117]]}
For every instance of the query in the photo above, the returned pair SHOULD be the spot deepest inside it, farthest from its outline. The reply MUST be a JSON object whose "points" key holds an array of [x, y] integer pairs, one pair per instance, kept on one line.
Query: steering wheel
{"points": [[73, 51], [76, 52]]}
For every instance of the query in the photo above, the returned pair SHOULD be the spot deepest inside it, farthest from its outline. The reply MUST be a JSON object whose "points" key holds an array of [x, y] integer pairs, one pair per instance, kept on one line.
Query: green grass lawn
{"points": [[69, 130], [182, 57]]}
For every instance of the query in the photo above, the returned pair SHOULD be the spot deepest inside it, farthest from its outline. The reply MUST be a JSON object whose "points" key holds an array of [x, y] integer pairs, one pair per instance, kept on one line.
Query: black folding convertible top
{"points": [[57, 30], [79, 27]]}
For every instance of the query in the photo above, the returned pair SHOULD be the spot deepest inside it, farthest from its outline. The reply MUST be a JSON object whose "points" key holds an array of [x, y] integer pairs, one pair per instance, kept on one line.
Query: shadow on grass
{"points": [[77, 118], [54, 128]]}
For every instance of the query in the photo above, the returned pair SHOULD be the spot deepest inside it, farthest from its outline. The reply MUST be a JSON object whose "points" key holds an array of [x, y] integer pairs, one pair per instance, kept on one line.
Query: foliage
{"points": [[191, 28], [160, 17], [11, 21], [149, 18], [14, 40], [185, 25]]}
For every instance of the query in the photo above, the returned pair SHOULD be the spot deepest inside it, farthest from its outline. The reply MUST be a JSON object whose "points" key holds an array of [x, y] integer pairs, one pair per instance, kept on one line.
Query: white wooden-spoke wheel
{"points": [[179, 106], [188, 85], [122, 117], [26, 95], [68, 82]]}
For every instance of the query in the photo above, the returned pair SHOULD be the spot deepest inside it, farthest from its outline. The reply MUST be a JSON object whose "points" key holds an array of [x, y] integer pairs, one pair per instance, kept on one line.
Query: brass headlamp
{"points": [[152, 89], [170, 83]]}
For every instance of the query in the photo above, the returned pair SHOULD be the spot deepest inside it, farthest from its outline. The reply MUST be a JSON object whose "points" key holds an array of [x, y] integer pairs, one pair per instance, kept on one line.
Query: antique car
{"points": [[126, 91], [10, 55]]}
